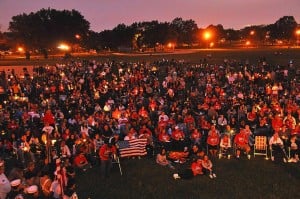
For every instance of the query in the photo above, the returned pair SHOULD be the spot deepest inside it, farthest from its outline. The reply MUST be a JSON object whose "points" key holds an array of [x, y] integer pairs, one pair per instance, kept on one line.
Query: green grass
{"points": [[255, 178], [217, 56]]}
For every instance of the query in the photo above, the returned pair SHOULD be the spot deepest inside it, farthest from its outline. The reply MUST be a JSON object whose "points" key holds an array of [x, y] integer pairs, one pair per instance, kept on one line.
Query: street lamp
{"points": [[171, 46], [77, 36], [248, 43], [298, 34], [20, 49], [63, 47], [207, 36]]}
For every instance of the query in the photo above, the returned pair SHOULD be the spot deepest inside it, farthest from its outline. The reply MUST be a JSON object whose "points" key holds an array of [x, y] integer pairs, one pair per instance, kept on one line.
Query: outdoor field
{"points": [[143, 178], [273, 56]]}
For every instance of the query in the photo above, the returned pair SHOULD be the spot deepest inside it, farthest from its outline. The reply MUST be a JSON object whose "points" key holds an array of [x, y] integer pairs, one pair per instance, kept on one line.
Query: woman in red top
{"points": [[49, 118], [81, 162], [196, 136], [277, 122], [241, 142], [178, 139], [213, 141]]}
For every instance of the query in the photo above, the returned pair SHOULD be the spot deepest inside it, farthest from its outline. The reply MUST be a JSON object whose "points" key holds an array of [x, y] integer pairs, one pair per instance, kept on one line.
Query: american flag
{"points": [[134, 147]]}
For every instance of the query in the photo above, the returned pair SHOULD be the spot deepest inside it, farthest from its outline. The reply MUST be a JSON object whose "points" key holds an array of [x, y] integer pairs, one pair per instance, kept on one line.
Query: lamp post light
{"points": [[298, 34], [77, 36], [64, 47], [207, 36], [20, 49], [247, 43]]}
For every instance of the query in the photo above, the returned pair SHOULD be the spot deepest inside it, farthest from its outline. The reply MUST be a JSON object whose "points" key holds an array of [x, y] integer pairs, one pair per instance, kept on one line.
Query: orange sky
{"points": [[106, 14]]}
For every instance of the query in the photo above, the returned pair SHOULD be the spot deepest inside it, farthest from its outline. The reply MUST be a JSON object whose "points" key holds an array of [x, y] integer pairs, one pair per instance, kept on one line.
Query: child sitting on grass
{"points": [[161, 159], [208, 167]]}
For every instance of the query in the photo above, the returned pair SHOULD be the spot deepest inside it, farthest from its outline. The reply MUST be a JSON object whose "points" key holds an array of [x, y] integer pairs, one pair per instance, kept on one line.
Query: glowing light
{"points": [[211, 44], [248, 43], [252, 32], [77, 36], [20, 49], [170, 45], [64, 47], [207, 35]]}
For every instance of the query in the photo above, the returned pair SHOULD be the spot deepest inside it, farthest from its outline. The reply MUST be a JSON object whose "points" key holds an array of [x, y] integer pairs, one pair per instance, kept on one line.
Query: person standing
{"points": [[5, 186], [106, 154]]}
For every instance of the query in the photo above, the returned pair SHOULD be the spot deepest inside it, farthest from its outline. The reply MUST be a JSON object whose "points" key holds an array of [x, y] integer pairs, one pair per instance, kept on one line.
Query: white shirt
{"points": [[48, 129]]}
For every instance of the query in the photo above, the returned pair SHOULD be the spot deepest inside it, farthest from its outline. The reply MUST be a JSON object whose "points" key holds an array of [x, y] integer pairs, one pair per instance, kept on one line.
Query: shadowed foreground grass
{"points": [[255, 178]]}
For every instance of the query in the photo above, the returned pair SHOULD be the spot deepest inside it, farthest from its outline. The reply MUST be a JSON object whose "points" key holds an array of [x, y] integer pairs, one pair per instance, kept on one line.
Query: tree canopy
{"points": [[46, 28]]}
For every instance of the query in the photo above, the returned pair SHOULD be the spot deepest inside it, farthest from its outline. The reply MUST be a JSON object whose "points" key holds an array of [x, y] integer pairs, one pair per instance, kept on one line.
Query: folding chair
{"points": [[260, 146], [116, 160]]}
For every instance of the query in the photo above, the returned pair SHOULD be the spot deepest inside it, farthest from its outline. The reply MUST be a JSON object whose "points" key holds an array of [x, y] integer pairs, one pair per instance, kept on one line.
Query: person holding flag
{"points": [[106, 154]]}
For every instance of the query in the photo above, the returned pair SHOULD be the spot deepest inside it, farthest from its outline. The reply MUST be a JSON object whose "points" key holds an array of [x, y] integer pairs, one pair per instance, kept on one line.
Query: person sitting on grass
{"points": [[165, 139], [161, 159], [194, 170], [196, 152], [208, 167], [277, 147], [213, 141], [178, 139], [179, 156], [225, 146], [241, 142], [294, 149]]}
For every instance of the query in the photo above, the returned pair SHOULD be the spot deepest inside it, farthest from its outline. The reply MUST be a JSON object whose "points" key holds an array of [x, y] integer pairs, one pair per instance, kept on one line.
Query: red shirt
{"points": [[49, 118], [189, 119], [251, 116], [213, 140], [105, 152], [277, 123], [177, 134], [163, 137], [241, 139], [196, 168], [195, 135], [80, 159]]}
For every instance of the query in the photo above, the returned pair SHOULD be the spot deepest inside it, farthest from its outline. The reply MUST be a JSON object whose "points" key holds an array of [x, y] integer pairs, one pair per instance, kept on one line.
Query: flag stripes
{"points": [[134, 147]]}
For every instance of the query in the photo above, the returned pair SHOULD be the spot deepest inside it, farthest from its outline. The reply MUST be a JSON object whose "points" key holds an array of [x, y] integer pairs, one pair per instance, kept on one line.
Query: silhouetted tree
{"points": [[45, 28]]}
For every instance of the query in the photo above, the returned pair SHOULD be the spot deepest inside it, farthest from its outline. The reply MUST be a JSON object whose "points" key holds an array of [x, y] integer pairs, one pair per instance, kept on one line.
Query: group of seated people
{"points": [[189, 110]]}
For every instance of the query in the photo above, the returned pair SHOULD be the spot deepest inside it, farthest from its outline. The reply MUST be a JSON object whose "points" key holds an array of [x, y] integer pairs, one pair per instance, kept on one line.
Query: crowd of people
{"points": [[62, 118]]}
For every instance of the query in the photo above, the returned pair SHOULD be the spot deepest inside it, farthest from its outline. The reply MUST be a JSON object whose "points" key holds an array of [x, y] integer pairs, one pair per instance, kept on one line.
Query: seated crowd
{"points": [[60, 119]]}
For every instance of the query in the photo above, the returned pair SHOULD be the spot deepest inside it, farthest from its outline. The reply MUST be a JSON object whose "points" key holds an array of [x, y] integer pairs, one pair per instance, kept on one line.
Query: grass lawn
{"points": [[255, 178], [274, 56]]}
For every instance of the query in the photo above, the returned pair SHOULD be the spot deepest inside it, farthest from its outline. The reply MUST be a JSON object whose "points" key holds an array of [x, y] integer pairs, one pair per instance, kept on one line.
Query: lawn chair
{"points": [[260, 146]]}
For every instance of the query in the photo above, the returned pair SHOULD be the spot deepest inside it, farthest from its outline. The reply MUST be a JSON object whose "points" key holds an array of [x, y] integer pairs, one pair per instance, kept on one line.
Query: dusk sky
{"points": [[107, 14]]}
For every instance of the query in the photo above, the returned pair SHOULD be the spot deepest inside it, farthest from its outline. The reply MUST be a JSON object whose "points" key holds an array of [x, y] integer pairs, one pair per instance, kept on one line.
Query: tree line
{"points": [[43, 30]]}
